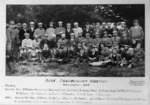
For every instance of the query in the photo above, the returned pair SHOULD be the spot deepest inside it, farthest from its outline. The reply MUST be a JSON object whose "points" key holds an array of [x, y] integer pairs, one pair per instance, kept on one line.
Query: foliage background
{"points": [[72, 13]]}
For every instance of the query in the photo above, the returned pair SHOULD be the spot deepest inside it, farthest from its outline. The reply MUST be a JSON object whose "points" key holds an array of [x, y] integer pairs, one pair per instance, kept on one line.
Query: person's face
{"points": [[79, 34], [87, 35], [109, 25], [68, 26], [122, 49], [115, 26], [114, 33], [88, 26], [114, 51], [81, 51], [103, 25], [63, 36], [72, 37], [93, 50], [138, 46], [27, 36], [32, 25], [124, 36], [45, 46], [51, 25], [24, 26], [60, 50], [79, 45], [97, 35], [60, 24], [131, 52], [122, 24], [45, 37], [102, 45], [76, 25], [19, 26], [40, 26], [135, 23], [105, 34], [36, 36]]}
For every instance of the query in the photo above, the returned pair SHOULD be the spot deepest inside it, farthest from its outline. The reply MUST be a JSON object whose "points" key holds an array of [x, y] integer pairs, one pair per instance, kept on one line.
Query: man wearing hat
{"points": [[87, 29], [22, 31], [26, 46], [136, 32], [68, 30], [79, 39], [96, 41], [115, 38], [44, 41], [59, 30], [50, 31], [125, 41], [62, 41], [77, 29], [11, 38], [31, 30], [123, 29], [40, 31]]}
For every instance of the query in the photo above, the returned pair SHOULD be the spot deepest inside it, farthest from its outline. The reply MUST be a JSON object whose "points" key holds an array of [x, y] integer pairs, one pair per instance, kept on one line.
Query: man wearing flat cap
{"points": [[77, 29], [50, 31], [136, 32], [123, 29], [40, 31], [87, 29], [31, 30], [11, 36], [59, 30], [22, 31]]}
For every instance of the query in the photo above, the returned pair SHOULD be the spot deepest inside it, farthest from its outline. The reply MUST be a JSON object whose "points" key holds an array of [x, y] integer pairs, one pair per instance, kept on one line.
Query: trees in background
{"points": [[72, 13]]}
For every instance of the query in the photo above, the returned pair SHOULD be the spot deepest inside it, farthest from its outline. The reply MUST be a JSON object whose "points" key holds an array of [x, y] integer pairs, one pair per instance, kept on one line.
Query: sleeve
{"points": [[35, 32], [23, 44], [46, 31], [142, 33], [130, 33], [8, 36]]}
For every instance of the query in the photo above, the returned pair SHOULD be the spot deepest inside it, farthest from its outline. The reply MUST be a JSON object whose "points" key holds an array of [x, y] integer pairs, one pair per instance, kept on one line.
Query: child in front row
{"points": [[93, 55], [61, 56], [46, 54], [82, 57]]}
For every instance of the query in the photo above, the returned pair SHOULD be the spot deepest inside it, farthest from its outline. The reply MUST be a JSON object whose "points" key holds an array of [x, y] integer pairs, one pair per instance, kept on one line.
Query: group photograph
{"points": [[103, 40]]}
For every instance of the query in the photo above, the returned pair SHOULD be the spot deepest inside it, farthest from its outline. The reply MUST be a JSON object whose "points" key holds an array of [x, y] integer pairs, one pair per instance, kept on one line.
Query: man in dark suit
{"points": [[22, 31], [87, 30], [68, 30], [31, 30]]}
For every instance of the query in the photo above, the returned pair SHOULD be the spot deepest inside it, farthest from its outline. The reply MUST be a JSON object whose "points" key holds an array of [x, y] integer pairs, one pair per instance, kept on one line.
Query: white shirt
{"points": [[77, 31], [27, 43]]}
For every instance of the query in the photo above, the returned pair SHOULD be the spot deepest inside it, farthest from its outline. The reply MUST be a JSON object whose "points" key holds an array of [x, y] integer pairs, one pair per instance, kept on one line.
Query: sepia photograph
{"points": [[102, 40]]}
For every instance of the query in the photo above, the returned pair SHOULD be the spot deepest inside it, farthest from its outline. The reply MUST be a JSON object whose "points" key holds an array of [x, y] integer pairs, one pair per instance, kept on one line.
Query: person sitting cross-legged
{"points": [[115, 57], [82, 57], [93, 55], [46, 54], [61, 56], [26, 47]]}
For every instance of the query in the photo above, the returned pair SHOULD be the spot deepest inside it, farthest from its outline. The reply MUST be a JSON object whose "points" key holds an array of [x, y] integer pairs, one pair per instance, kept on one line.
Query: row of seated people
{"points": [[109, 49]]}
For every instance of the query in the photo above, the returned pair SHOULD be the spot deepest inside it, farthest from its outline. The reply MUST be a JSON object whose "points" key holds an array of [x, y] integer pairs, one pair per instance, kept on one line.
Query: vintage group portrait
{"points": [[91, 40]]}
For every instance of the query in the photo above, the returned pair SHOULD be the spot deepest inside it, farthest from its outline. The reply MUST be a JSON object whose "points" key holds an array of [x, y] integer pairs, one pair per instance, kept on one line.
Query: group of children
{"points": [[96, 51]]}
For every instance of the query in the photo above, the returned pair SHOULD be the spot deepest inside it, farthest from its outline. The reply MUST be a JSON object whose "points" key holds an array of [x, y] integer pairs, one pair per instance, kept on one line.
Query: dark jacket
{"points": [[31, 33], [123, 42], [44, 42], [68, 33], [21, 34]]}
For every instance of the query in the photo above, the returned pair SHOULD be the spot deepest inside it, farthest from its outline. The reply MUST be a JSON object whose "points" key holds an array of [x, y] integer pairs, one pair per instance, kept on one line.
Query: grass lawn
{"points": [[74, 70]]}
